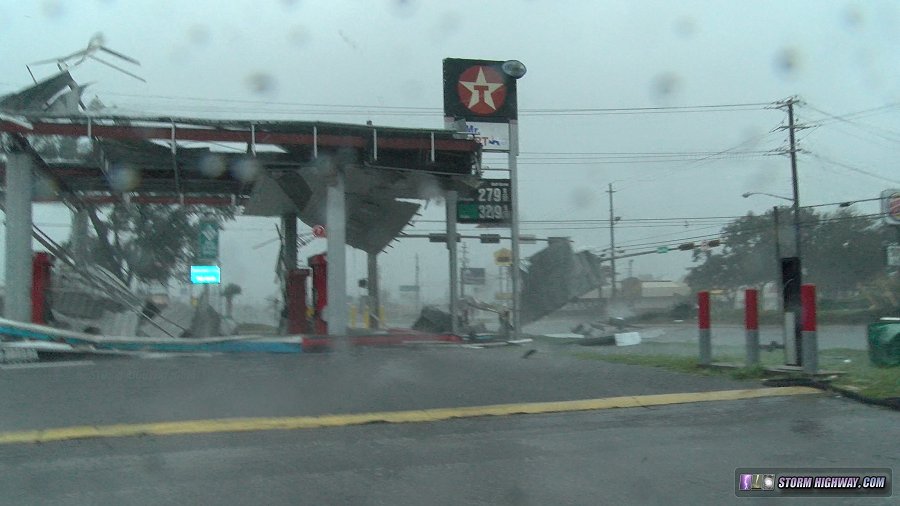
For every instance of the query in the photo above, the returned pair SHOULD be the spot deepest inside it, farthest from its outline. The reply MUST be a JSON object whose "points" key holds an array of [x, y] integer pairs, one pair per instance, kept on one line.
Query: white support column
{"points": [[336, 230], [373, 290], [19, 180]]}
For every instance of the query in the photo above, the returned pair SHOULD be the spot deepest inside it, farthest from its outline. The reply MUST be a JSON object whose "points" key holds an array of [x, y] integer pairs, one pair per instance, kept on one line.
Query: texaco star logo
{"points": [[481, 90]]}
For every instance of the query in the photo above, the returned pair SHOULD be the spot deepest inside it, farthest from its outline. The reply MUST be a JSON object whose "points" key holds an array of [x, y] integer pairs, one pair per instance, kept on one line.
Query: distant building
{"points": [[768, 298], [640, 296]]}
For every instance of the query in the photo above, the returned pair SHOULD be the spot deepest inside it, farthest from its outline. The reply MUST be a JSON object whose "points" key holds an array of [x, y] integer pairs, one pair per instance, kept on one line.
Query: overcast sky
{"points": [[302, 59]]}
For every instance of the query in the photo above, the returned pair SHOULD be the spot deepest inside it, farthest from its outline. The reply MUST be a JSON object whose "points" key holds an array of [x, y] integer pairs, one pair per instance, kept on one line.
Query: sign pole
{"points": [[514, 219], [454, 270]]}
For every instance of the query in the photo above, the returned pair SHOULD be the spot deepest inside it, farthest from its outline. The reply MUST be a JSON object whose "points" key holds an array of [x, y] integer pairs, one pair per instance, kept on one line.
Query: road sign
{"points": [[478, 90], [409, 288], [662, 249], [208, 241], [205, 275], [503, 257], [890, 206], [318, 231], [490, 202], [473, 276], [893, 255]]}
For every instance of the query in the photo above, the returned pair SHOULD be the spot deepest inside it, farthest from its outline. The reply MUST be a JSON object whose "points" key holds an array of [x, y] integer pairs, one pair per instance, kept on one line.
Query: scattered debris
{"points": [[10, 353]]}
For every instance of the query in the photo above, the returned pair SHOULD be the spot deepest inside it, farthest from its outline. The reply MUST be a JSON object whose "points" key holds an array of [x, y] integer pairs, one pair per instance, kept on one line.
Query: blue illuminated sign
{"points": [[205, 275]]}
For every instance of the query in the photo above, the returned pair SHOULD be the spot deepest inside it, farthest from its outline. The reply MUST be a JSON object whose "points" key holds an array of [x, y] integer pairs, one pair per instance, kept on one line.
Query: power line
{"points": [[760, 228], [360, 109], [571, 154], [700, 162], [870, 129], [855, 114], [851, 167]]}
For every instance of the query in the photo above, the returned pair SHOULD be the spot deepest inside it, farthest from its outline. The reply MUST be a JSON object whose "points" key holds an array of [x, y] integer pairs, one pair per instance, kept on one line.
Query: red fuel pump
{"points": [[319, 266], [41, 265], [296, 301]]}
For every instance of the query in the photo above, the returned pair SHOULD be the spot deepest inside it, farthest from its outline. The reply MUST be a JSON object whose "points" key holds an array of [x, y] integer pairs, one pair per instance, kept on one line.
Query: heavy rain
{"points": [[422, 252]]}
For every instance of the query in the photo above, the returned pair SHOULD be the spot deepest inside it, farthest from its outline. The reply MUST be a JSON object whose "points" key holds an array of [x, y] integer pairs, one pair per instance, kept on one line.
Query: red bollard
{"points": [[751, 323], [703, 328], [41, 265], [810, 344]]}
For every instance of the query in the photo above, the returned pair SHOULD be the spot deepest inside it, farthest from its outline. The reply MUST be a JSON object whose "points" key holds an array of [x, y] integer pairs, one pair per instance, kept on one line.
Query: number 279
{"points": [[490, 195]]}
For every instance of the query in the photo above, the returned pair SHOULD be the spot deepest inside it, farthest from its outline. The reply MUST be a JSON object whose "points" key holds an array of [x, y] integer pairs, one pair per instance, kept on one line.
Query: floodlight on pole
{"points": [[514, 69]]}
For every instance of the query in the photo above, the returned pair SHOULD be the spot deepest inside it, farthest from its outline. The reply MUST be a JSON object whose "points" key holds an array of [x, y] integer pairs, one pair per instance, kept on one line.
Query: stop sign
{"points": [[318, 231]]}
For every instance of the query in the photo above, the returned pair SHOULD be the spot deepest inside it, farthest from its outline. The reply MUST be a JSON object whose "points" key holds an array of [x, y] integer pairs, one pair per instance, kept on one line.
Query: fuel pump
{"points": [[295, 295]]}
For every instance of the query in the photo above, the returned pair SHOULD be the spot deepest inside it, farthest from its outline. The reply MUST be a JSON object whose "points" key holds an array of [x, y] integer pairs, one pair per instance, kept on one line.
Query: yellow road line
{"points": [[413, 416]]}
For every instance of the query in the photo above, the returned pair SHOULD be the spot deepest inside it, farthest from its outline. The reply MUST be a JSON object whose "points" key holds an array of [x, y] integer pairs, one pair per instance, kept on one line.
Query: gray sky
{"points": [[301, 59]]}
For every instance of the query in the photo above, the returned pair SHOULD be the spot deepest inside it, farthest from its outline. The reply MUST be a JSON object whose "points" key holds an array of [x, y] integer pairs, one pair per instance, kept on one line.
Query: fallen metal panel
{"points": [[90, 342], [556, 276], [36, 98]]}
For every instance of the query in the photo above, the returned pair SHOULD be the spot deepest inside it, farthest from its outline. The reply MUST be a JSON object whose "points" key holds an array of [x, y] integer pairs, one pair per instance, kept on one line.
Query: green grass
{"points": [[861, 376], [858, 374]]}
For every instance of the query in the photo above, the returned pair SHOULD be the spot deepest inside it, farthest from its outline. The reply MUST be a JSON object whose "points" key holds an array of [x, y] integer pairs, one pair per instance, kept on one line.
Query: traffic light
{"points": [[363, 283], [713, 243], [686, 246], [490, 238], [441, 237]]}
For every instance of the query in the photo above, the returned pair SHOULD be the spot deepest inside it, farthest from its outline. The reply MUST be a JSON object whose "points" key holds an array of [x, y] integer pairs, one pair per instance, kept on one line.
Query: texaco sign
{"points": [[478, 90]]}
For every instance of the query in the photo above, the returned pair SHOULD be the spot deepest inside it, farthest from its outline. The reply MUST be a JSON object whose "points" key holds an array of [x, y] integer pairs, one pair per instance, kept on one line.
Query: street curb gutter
{"points": [[890, 402]]}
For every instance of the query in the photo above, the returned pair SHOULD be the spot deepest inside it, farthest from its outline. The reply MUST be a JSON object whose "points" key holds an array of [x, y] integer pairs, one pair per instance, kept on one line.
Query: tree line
{"points": [[842, 252]]}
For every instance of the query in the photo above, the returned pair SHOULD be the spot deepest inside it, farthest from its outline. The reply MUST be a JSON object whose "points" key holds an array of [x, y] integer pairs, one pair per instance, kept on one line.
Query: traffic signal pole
{"points": [[612, 245]]}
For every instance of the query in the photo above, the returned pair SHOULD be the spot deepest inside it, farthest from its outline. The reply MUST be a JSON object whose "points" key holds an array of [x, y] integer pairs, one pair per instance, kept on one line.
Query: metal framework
{"points": [[296, 168]]}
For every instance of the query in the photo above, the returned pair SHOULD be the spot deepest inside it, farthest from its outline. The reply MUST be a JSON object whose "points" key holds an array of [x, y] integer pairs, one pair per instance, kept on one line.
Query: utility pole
{"points": [[777, 223], [792, 127], [612, 244], [792, 276]]}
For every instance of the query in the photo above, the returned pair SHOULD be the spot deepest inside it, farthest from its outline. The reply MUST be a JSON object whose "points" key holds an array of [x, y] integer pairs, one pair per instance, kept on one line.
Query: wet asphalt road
{"points": [[674, 454]]}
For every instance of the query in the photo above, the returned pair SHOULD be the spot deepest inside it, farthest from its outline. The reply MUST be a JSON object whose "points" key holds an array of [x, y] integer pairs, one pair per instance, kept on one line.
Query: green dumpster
{"points": [[884, 342]]}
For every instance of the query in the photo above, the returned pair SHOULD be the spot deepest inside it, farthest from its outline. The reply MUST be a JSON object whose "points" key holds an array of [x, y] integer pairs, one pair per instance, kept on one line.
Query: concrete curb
{"points": [[890, 402]]}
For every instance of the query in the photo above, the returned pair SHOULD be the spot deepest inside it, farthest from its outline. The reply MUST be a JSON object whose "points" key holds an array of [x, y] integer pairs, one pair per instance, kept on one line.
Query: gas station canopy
{"points": [[270, 168]]}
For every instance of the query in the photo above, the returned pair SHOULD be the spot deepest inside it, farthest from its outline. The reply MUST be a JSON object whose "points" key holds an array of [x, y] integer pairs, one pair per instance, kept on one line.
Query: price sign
{"points": [[491, 202]]}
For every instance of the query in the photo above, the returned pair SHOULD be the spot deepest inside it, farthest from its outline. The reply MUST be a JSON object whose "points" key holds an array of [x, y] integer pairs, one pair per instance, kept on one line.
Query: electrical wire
{"points": [[851, 167], [360, 108], [882, 133]]}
